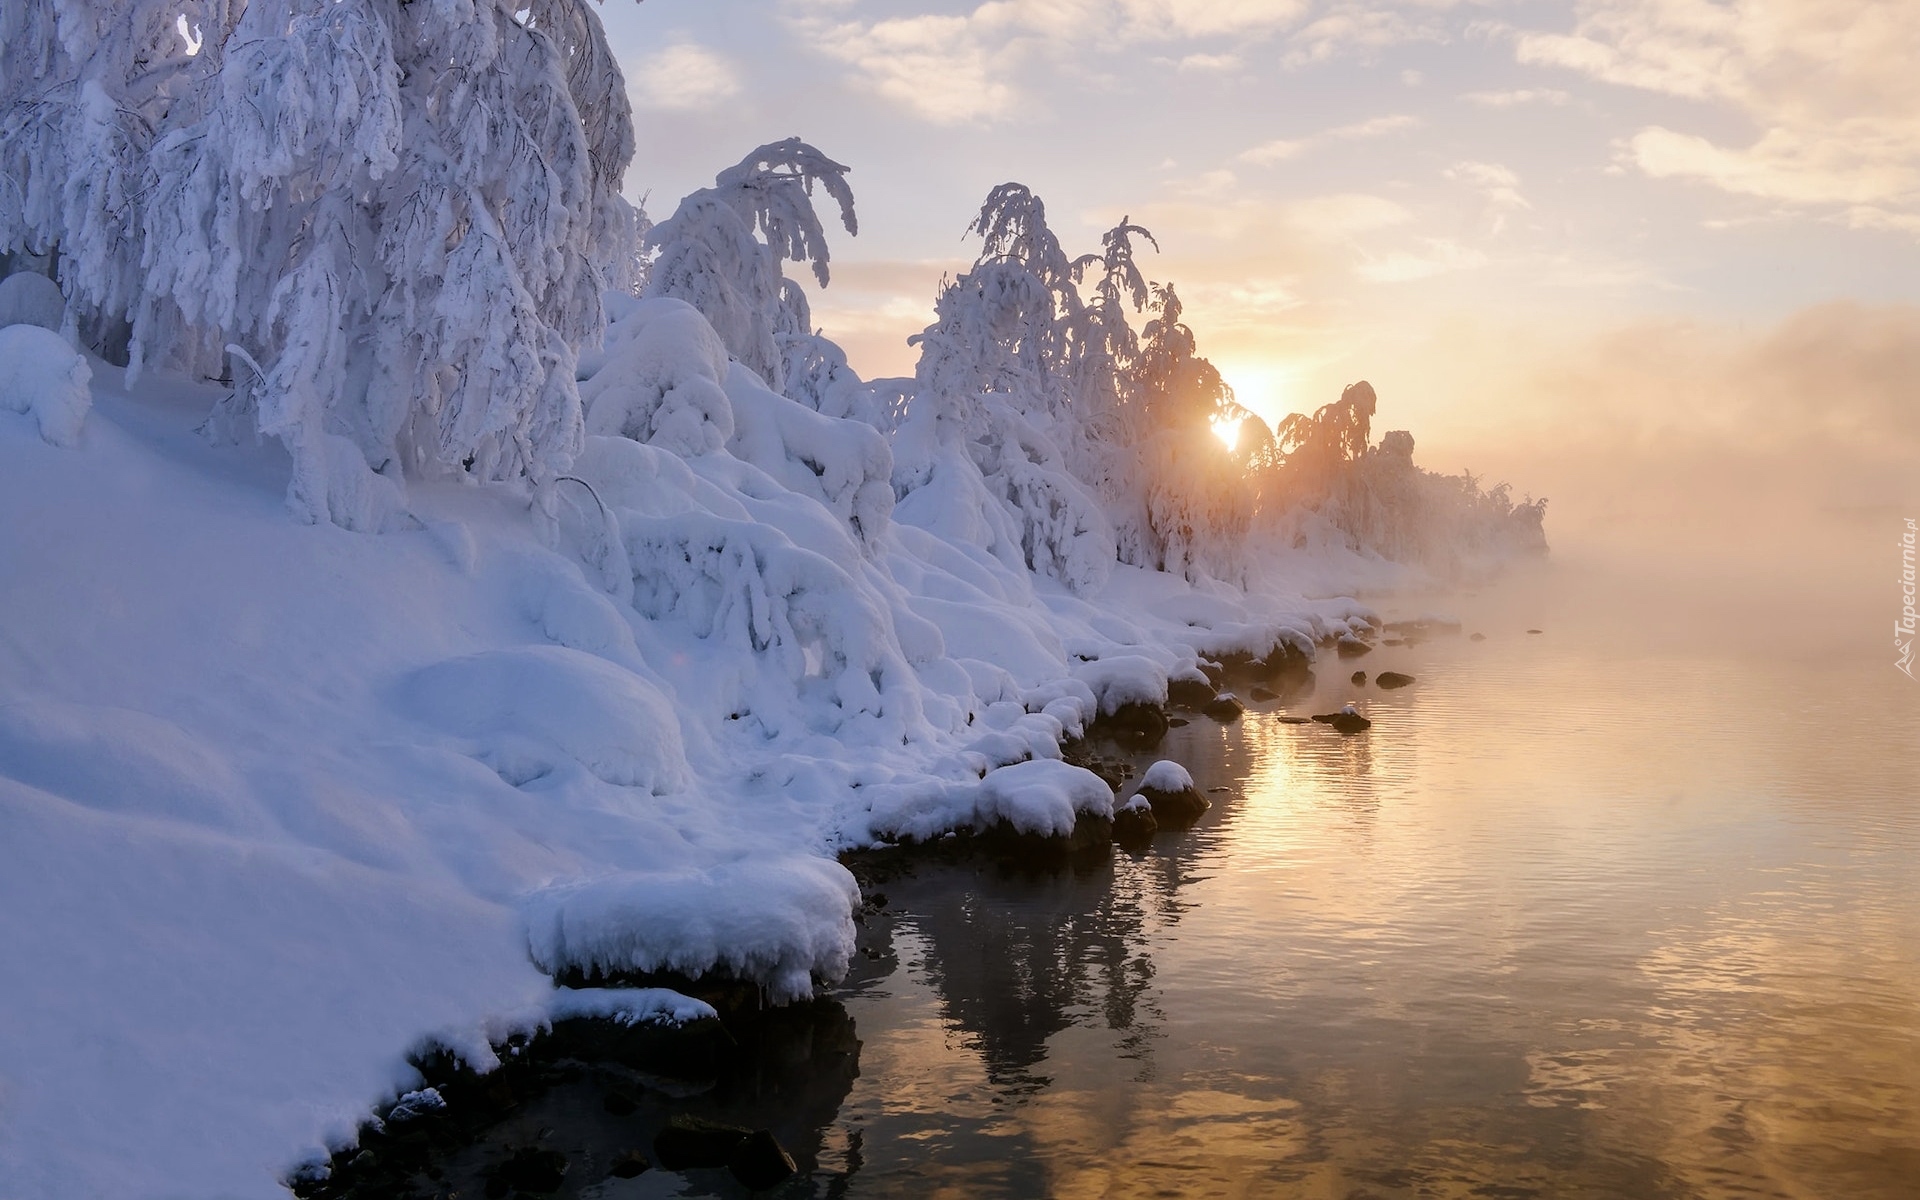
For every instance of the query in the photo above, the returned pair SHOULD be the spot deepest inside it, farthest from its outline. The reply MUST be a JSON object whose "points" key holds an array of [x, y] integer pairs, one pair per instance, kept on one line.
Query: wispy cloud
{"points": [[685, 77], [952, 68], [1440, 256], [1359, 25], [1830, 84], [1210, 62], [1499, 184], [1518, 97], [1345, 214], [937, 67], [1282, 149]]}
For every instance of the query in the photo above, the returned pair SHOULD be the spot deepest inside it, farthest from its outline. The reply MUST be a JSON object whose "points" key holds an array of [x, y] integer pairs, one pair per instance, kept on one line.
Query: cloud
{"points": [[1830, 84], [954, 68], [1345, 214], [1209, 62], [1497, 183], [685, 77], [1792, 165], [1356, 25], [937, 67], [1282, 149], [1514, 99], [1442, 255]]}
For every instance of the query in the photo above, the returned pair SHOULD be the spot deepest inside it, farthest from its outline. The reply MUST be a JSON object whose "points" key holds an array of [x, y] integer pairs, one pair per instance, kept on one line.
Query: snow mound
{"points": [[42, 377], [660, 380], [1167, 776], [1124, 679], [531, 706], [1043, 796], [27, 298], [843, 464], [778, 921], [119, 760]]}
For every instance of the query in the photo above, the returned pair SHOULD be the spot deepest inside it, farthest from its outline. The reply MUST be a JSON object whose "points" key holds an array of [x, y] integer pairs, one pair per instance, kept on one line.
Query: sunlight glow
{"points": [[1263, 386], [1227, 431]]}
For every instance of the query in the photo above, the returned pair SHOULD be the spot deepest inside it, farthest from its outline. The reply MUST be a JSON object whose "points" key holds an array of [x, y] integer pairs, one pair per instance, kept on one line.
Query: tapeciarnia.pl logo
{"points": [[1904, 627]]}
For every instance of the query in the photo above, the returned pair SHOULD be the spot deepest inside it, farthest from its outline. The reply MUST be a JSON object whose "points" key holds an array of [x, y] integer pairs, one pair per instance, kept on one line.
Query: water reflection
{"points": [[1569, 921]]}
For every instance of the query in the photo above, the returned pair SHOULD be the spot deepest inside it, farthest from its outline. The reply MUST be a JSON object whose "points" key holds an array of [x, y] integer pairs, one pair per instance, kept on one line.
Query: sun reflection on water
{"points": [[1568, 921]]}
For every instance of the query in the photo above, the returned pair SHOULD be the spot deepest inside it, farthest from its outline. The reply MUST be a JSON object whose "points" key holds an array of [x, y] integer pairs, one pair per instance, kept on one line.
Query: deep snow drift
{"points": [[283, 800]]}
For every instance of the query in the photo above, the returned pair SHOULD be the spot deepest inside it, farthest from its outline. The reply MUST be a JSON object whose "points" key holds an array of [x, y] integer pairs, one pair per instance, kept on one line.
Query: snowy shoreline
{"points": [[284, 800]]}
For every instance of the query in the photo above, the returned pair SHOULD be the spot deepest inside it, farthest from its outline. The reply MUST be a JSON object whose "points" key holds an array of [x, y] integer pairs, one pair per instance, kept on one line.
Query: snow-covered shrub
{"points": [[745, 586], [30, 298], [710, 252], [843, 464], [42, 377], [661, 379], [745, 530]]}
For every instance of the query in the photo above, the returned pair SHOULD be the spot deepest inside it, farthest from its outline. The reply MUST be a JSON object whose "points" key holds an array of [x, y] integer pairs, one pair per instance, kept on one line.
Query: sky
{"points": [[1549, 232]]}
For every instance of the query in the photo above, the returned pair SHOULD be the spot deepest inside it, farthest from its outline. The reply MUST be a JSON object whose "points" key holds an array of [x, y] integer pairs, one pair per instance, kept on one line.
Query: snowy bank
{"points": [[284, 800]]}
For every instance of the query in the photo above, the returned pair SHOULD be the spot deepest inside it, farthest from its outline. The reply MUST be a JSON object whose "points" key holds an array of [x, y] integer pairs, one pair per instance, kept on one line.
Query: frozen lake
{"points": [[1628, 908]]}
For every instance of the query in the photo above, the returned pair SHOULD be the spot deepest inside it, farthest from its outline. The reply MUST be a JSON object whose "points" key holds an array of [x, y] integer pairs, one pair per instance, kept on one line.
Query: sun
{"points": [[1227, 429]]}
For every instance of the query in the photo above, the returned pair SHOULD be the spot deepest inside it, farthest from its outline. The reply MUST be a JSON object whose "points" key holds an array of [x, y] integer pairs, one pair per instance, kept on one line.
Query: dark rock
{"points": [[628, 1164], [531, 1169], [1346, 721], [1262, 695], [1225, 708], [1533, 631], [1351, 647], [1134, 722], [1282, 657], [1360, 678], [759, 1162], [689, 1142], [1002, 841], [1175, 809], [1177, 722], [1293, 720], [1478, 637], [619, 1103], [1134, 826], [1392, 679], [1423, 627], [1191, 694]]}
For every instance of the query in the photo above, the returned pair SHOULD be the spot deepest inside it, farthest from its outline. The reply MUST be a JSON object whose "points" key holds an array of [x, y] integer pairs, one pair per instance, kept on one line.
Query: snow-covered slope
{"points": [[281, 800]]}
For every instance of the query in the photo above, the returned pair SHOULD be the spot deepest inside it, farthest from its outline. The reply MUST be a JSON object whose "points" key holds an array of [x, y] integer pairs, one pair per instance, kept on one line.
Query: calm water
{"points": [[1628, 908], [1586, 913]]}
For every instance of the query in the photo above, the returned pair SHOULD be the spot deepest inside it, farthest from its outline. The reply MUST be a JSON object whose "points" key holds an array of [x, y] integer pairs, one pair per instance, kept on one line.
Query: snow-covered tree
{"points": [[1196, 496], [1326, 485], [400, 217], [1106, 397], [85, 88], [993, 392], [722, 248]]}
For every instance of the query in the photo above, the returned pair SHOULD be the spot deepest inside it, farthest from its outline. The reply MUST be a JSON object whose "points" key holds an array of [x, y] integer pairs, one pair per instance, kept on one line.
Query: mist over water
{"points": [[1625, 908]]}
